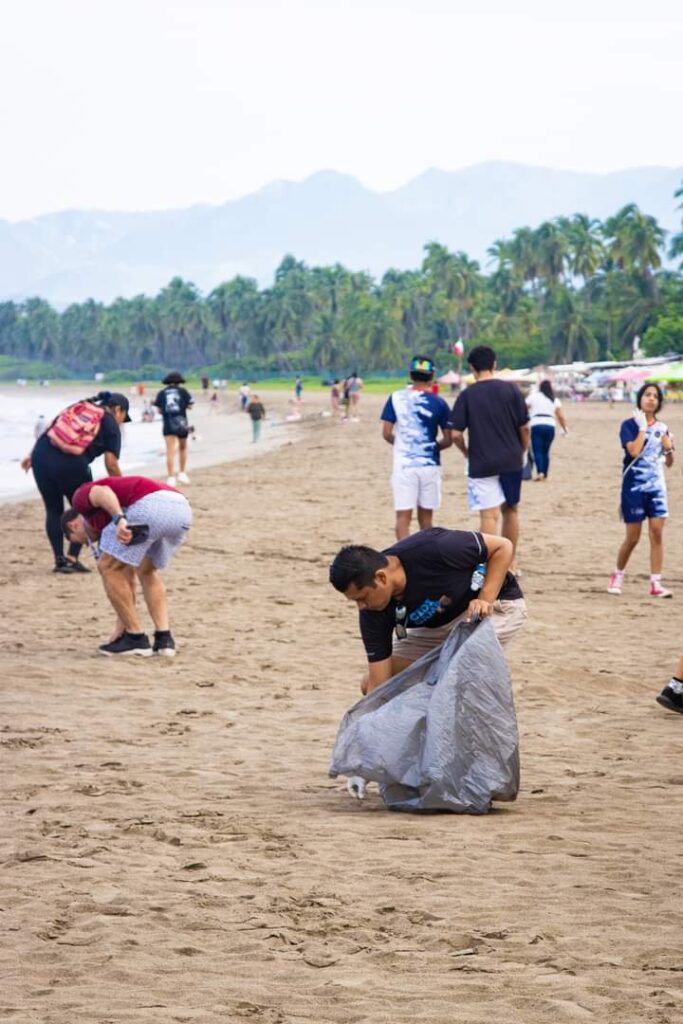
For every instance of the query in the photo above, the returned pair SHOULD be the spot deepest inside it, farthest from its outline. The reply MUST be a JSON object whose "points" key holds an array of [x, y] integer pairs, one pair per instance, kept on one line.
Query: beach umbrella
{"points": [[450, 378], [630, 374]]}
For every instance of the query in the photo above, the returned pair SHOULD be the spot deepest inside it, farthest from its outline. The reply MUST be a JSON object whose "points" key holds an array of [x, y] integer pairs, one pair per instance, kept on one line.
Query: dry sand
{"points": [[173, 849]]}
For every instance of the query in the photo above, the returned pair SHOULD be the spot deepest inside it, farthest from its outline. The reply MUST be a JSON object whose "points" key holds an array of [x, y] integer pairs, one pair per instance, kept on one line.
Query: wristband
{"points": [[117, 518]]}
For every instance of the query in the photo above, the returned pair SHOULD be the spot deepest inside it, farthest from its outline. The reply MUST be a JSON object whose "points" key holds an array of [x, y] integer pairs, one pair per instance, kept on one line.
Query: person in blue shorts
{"points": [[412, 419], [648, 446]]}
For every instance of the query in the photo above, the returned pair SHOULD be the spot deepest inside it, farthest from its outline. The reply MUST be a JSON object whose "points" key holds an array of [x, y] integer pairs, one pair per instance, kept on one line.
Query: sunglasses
{"points": [[399, 624]]}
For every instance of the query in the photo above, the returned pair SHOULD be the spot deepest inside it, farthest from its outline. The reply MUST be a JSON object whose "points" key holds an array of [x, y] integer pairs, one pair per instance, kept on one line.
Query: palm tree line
{"points": [[572, 288]]}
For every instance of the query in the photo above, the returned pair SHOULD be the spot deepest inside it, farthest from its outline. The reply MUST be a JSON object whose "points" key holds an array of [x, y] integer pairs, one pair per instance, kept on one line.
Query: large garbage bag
{"points": [[442, 734]]}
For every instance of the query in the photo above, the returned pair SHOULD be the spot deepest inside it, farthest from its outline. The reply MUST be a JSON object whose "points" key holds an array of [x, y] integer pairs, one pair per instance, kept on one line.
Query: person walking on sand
{"points": [[647, 443], [173, 401], [243, 392], [298, 388], [61, 459], [411, 421], [140, 524], [355, 386], [544, 409], [257, 414], [495, 416]]}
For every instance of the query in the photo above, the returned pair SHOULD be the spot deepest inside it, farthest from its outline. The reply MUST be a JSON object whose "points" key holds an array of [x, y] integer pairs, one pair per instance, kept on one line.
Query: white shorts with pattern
{"points": [[168, 516], [417, 487]]}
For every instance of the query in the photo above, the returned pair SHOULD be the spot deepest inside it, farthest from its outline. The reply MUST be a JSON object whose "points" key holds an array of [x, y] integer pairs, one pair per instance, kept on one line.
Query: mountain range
{"points": [[327, 218]]}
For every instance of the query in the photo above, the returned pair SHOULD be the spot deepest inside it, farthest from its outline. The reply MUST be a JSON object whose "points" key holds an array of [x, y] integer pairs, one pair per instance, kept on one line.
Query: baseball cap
{"points": [[118, 399], [419, 364]]}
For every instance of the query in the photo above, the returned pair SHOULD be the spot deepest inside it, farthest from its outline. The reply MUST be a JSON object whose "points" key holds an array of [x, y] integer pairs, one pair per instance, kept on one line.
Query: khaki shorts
{"points": [[508, 617]]}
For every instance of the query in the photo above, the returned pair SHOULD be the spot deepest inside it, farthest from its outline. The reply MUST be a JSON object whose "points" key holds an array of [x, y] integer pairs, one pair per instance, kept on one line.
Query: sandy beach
{"points": [[171, 848]]}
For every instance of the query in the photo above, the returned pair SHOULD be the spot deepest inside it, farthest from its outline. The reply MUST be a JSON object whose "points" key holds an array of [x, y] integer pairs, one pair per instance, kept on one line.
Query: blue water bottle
{"points": [[478, 577]]}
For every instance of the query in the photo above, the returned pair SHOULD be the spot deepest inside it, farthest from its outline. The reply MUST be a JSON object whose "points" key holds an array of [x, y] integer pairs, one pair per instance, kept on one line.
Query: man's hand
{"points": [[641, 419], [355, 787], [478, 609], [124, 534], [26, 463]]}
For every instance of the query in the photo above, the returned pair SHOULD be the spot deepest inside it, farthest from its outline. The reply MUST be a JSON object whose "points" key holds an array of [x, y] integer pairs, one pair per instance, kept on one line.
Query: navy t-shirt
{"points": [[492, 412], [438, 565], [107, 439], [173, 400]]}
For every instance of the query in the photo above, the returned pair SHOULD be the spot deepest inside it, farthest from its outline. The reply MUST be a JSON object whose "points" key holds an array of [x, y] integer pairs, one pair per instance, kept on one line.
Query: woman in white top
{"points": [[544, 409]]}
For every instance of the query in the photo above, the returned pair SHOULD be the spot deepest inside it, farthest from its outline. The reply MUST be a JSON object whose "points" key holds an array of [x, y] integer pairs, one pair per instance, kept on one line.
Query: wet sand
{"points": [[172, 849]]}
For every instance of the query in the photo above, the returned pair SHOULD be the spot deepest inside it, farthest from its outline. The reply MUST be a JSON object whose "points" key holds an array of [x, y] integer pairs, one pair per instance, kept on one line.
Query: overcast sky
{"points": [[153, 104]]}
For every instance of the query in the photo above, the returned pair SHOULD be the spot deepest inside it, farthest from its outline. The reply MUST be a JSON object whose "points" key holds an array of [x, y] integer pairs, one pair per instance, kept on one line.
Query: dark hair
{"points": [[66, 518], [546, 388], [173, 378], [482, 357], [643, 389], [357, 565]]}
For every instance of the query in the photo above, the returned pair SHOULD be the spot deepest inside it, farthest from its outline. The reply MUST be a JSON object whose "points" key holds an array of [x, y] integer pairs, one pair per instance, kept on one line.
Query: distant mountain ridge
{"points": [[327, 218]]}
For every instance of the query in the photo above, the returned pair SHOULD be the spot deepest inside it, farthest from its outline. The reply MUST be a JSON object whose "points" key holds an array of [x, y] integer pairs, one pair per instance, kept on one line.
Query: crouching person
{"points": [[139, 524]]}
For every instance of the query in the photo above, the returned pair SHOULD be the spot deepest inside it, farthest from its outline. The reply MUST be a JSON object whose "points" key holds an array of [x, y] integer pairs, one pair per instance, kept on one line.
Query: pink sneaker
{"points": [[615, 582], [657, 590]]}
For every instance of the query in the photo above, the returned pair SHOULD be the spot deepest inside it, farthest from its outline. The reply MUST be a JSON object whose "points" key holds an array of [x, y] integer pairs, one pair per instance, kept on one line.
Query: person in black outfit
{"points": [[173, 401], [420, 588], [58, 474]]}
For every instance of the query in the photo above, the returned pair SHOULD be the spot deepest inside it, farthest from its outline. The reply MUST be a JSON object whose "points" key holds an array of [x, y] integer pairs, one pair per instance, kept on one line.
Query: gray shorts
{"points": [[507, 618], [168, 516]]}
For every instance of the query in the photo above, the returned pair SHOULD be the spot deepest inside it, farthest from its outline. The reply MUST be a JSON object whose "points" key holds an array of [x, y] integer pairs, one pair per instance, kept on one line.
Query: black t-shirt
{"points": [[107, 439], [256, 410], [438, 565], [173, 401], [491, 411]]}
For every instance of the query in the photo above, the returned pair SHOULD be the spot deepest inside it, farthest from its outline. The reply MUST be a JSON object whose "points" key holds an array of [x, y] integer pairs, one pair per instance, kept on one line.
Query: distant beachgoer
{"points": [[243, 392], [40, 427], [148, 413], [205, 386], [173, 401], [140, 389], [61, 459], [298, 388], [335, 395], [355, 386], [345, 399], [214, 402], [544, 409], [671, 697], [494, 414], [411, 420], [140, 524], [257, 413], [647, 443]]}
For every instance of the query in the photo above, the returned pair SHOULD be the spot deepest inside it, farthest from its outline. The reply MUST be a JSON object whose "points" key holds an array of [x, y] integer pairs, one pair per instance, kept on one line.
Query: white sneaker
{"points": [[170, 480], [657, 590], [615, 583], [183, 478]]}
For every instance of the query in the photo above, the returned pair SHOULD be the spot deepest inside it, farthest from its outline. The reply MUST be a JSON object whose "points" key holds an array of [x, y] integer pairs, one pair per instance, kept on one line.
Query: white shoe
{"points": [[170, 480], [183, 478]]}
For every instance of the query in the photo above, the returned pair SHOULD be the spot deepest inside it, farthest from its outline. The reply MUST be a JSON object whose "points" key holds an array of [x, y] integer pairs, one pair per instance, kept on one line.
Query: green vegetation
{"points": [[573, 288]]}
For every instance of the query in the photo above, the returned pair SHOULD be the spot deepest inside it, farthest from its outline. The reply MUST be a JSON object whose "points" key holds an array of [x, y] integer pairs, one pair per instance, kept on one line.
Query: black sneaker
{"points": [[129, 643], [67, 566], [78, 566], [164, 644], [668, 698]]}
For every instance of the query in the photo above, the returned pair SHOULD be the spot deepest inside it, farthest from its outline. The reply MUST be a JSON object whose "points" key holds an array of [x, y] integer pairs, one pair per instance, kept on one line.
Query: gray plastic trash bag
{"points": [[441, 735]]}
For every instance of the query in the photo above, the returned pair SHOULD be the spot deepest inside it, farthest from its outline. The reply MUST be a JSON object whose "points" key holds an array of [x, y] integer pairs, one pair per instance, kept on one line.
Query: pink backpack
{"points": [[76, 427]]}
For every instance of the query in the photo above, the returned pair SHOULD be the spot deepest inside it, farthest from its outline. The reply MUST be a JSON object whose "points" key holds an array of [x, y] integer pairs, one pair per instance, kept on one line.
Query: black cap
{"points": [[117, 398]]}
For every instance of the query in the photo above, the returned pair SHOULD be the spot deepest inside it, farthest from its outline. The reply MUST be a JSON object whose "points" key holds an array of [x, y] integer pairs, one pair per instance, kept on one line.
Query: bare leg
{"points": [[631, 539], [656, 529], [154, 592], [403, 518], [170, 453], [424, 518], [119, 586], [182, 453], [488, 520], [510, 528], [119, 628]]}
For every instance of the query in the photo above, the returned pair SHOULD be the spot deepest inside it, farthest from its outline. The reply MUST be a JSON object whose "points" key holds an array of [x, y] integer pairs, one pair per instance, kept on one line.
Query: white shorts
{"points": [[168, 516], [484, 492], [416, 487]]}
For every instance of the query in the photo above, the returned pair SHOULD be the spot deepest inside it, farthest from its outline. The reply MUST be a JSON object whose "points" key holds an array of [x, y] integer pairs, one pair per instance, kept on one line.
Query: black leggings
{"points": [[57, 476]]}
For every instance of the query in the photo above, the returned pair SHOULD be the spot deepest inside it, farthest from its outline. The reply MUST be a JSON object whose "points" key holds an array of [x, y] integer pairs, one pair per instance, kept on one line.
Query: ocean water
{"points": [[142, 444], [220, 437]]}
